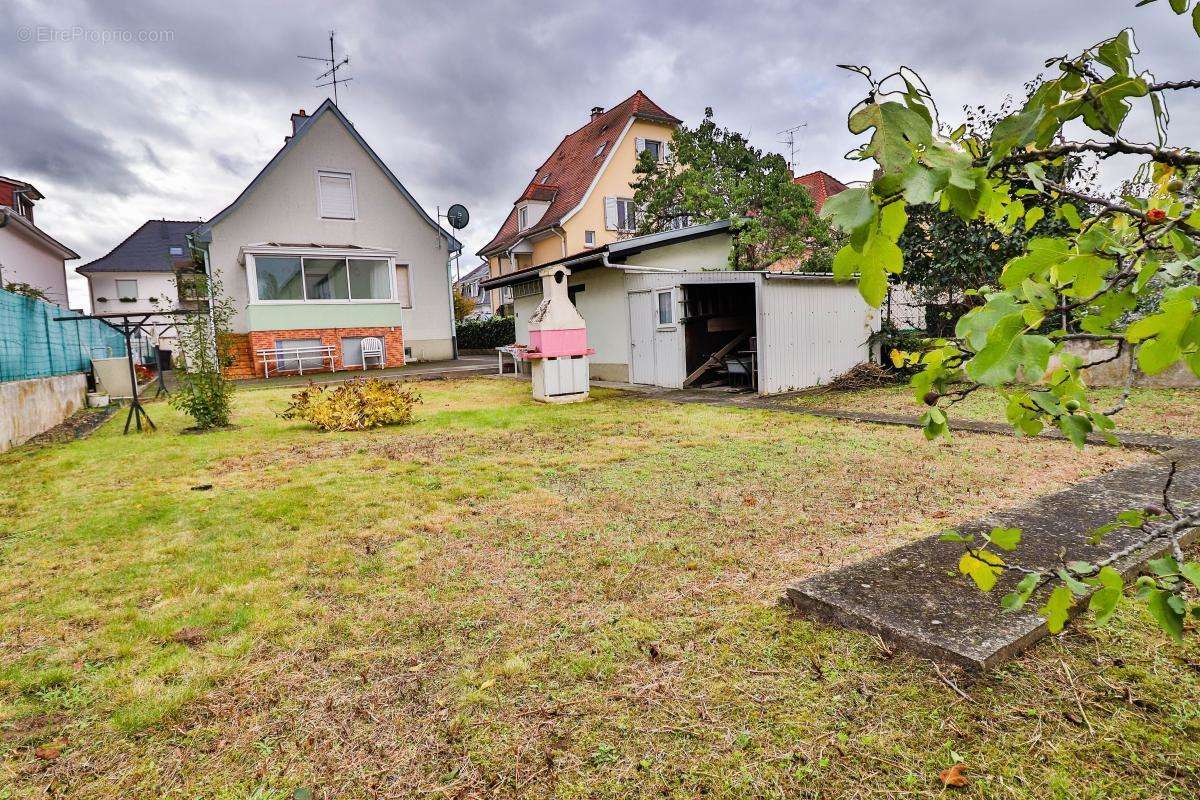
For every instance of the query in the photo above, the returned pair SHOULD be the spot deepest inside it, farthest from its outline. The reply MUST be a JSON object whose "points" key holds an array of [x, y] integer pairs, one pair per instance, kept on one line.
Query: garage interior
{"points": [[720, 335]]}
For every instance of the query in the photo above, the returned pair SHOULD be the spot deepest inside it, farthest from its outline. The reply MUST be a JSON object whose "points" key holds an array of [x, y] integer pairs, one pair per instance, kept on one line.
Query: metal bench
{"points": [[281, 357]]}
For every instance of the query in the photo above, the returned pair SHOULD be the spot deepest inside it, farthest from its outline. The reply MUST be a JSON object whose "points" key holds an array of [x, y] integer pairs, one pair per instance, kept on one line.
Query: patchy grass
{"points": [[510, 599], [1174, 412]]}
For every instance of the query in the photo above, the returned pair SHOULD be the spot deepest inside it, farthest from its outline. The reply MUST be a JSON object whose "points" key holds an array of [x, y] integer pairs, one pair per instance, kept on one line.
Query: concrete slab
{"points": [[915, 598]]}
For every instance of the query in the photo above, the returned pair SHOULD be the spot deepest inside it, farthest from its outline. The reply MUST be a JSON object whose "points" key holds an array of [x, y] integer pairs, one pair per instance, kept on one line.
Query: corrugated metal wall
{"points": [[810, 331]]}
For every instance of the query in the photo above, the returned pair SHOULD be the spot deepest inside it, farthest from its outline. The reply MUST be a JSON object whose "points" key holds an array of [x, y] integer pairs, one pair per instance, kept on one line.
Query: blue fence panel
{"points": [[34, 345]]}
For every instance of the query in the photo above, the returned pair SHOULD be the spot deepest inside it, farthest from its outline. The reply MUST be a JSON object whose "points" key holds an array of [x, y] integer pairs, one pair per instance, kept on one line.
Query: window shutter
{"points": [[403, 289], [610, 213], [639, 145], [336, 195], [666, 151]]}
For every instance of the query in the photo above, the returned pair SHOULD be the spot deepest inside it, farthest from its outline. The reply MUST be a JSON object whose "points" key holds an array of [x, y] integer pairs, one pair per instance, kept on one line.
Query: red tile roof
{"points": [[821, 185], [573, 165]]}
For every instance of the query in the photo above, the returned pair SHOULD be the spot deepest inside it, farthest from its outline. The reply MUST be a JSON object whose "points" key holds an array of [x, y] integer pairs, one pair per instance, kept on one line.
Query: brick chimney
{"points": [[597, 111]]}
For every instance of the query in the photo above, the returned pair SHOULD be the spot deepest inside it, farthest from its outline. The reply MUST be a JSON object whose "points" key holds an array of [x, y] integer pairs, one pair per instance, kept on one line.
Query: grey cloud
{"points": [[463, 101]]}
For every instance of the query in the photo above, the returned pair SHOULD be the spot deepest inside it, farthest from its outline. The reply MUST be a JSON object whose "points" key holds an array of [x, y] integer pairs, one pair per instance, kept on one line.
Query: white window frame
{"points": [[522, 218], [117, 288], [303, 253], [353, 192], [629, 206], [658, 323], [589, 238], [644, 144]]}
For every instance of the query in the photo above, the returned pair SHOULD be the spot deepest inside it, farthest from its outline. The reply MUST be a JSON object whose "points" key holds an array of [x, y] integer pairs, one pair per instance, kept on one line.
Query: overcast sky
{"points": [[123, 112]]}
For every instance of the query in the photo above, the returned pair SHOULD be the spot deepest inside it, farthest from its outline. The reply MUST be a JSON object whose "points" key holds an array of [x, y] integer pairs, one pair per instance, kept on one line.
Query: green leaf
{"points": [[984, 568], [1019, 596], [1191, 571], [1105, 107], [1117, 53], [1005, 538], [1033, 216], [1179, 6], [850, 209], [1015, 130], [1167, 617], [1076, 428], [1009, 352], [1077, 587], [1167, 565], [955, 536], [1057, 608], [1196, 19], [1104, 600], [1040, 254], [1085, 274], [897, 130], [1071, 215]]}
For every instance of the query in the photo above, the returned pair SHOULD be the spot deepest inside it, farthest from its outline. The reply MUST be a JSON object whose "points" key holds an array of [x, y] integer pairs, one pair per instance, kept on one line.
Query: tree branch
{"points": [[1158, 87], [1173, 157]]}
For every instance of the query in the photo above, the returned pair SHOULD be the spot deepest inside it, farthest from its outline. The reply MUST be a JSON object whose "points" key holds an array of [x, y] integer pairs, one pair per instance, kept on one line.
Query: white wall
{"points": [[30, 407], [705, 253], [157, 285], [24, 259], [283, 208], [602, 304], [810, 331]]}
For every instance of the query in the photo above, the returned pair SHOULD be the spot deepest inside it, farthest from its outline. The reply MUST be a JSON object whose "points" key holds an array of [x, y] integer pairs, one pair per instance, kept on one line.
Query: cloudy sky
{"points": [[122, 112]]}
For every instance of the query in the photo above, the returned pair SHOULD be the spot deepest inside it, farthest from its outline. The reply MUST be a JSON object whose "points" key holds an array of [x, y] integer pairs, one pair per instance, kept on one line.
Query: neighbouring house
{"points": [[28, 254], [469, 286], [666, 310], [821, 185], [580, 197], [145, 272], [326, 247]]}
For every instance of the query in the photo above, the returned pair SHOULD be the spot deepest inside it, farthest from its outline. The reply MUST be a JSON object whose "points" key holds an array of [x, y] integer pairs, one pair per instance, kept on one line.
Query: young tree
{"points": [[713, 173], [463, 305], [204, 393], [1125, 272]]}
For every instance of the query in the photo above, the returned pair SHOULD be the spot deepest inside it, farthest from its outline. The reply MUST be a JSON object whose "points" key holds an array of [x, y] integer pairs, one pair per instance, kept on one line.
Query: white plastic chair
{"points": [[372, 348]]}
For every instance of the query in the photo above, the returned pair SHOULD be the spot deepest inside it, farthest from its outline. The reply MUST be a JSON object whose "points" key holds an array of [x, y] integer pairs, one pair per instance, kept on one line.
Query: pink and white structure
{"points": [[558, 348]]}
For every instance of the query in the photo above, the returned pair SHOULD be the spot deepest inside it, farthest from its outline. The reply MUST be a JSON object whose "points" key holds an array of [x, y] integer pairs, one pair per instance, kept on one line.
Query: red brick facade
{"points": [[246, 365]]}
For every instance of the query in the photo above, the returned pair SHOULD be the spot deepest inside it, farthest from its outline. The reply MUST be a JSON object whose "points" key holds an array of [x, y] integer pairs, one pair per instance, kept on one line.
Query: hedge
{"points": [[480, 334]]}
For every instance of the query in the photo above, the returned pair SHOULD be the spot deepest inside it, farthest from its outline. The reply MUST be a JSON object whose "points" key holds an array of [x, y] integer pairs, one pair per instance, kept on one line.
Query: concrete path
{"points": [[462, 367], [915, 597]]}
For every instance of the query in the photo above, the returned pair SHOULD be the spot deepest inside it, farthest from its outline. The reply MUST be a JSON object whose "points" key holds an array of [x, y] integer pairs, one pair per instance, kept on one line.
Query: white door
{"points": [[641, 337]]}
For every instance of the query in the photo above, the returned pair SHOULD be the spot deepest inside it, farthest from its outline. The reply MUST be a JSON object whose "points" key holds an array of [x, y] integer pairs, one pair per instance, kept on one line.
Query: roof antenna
{"points": [[332, 72], [789, 138]]}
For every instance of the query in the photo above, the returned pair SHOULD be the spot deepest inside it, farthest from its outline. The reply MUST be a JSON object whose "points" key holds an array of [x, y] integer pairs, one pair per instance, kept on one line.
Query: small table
{"points": [[515, 351], [282, 355]]}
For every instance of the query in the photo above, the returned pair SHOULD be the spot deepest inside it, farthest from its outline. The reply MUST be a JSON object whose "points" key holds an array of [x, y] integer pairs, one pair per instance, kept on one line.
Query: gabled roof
{"points": [[821, 185], [574, 165], [24, 185], [204, 232], [147, 249], [479, 272]]}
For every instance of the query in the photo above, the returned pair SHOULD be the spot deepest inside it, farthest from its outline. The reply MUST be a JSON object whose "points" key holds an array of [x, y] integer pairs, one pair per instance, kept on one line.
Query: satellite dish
{"points": [[457, 216]]}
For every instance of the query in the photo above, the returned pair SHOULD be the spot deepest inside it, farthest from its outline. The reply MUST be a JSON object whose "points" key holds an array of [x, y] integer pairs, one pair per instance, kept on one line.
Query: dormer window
{"points": [[522, 218], [600, 149], [545, 178], [335, 195]]}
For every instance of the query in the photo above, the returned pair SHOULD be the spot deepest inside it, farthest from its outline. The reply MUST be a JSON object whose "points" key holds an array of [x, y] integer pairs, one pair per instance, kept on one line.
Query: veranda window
{"points": [[295, 279]]}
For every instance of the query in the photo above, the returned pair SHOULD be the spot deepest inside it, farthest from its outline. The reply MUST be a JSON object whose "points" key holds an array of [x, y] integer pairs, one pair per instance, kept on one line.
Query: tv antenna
{"points": [[789, 138], [332, 72]]}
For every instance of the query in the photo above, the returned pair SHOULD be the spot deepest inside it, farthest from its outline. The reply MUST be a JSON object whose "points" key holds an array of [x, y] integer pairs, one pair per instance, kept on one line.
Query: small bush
{"points": [[354, 406], [480, 334]]}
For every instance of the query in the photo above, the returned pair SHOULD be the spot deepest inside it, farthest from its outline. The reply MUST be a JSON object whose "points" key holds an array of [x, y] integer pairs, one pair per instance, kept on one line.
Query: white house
{"points": [[28, 254], [326, 247], [666, 310], [143, 273], [470, 287]]}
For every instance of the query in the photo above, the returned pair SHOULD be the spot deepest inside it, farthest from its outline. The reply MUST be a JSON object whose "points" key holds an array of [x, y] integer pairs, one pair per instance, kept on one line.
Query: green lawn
{"points": [[1175, 412], [510, 599]]}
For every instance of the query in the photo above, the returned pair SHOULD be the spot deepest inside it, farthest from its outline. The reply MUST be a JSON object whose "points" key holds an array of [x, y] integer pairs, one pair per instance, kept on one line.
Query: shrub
{"points": [[204, 393], [354, 406], [480, 334]]}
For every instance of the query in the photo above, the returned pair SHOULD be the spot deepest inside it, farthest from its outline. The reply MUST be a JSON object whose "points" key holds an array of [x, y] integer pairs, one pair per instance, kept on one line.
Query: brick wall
{"points": [[239, 350], [246, 365]]}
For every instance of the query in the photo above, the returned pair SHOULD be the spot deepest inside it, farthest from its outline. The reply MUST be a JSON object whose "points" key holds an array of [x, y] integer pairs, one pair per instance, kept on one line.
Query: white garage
{"points": [[665, 310]]}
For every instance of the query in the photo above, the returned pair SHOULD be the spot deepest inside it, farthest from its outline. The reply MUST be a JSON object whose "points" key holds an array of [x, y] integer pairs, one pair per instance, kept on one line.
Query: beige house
{"points": [[326, 247], [29, 255], [580, 197]]}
